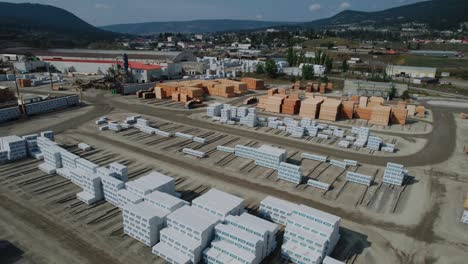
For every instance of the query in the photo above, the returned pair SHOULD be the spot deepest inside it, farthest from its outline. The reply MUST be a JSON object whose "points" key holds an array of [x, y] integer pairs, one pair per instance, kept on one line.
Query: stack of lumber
{"points": [[274, 103], [329, 87], [421, 111], [297, 85], [463, 116], [272, 91], [323, 88], [399, 115], [380, 115], [294, 96], [24, 82], [222, 90], [363, 113], [310, 107], [283, 91], [262, 102], [375, 101], [291, 106], [363, 101], [309, 87], [239, 87], [149, 95], [192, 92], [329, 109], [175, 97], [411, 110], [254, 84], [6, 94], [348, 110]]}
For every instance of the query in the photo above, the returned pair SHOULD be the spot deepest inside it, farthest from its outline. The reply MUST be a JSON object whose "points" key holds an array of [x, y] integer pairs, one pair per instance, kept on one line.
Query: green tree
{"points": [[345, 66], [392, 92], [308, 72], [328, 65], [405, 95], [260, 69], [290, 57], [271, 68]]}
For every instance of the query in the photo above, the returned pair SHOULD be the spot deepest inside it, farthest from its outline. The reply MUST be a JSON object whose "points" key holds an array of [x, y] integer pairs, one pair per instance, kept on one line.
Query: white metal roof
{"points": [[195, 218], [248, 256], [318, 214], [171, 253], [187, 241], [219, 201], [257, 223], [146, 210], [278, 203], [164, 198]]}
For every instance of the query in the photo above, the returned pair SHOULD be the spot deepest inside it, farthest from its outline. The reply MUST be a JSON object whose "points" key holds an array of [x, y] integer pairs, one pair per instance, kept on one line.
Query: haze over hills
{"points": [[437, 13], [193, 26]]}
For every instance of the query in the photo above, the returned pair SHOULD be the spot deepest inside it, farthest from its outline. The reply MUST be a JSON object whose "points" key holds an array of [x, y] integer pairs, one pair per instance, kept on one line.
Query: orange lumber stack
{"points": [[363, 101], [329, 87], [363, 113], [283, 91], [399, 115], [262, 102], [291, 106], [463, 116], [175, 97], [239, 87], [274, 104], [348, 110], [184, 98], [294, 96], [310, 108], [297, 85], [192, 92], [421, 111], [223, 90], [329, 109], [24, 82], [380, 115], [323, 88], [254, 84], [375, 101], [272, 91], [309, 87]]}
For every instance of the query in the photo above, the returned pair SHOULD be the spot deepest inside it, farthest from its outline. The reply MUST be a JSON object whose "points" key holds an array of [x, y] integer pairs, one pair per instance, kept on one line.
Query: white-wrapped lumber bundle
{"points": [[195, 153], [183, 135], [225, 149]]}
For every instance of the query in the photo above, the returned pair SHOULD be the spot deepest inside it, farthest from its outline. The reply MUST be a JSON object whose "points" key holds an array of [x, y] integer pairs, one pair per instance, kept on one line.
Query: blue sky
{"points": [[105, 12]]}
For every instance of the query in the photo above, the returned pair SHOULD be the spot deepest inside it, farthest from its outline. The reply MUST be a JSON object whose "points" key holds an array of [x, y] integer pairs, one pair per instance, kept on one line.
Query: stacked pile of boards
{"points": [[254, 84], [310, 108], [380, 115], [329, 109]]}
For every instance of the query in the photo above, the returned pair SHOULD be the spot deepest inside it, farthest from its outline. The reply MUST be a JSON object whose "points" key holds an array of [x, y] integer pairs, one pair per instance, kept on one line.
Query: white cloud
{"points": [[259, 16], [101, 6], [345, 5], [315, 7]]}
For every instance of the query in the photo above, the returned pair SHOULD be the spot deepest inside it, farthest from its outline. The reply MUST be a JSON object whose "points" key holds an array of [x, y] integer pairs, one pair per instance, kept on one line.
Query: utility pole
{"points": [[18, 95]]}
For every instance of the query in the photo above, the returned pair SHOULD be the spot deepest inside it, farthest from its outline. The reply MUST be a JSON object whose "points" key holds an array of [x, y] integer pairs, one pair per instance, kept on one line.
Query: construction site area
{"points": [[389, 175]]}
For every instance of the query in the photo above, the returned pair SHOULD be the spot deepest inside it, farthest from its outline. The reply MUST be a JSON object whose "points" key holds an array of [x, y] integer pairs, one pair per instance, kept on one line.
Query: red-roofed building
{"points": [[141, 72]]}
